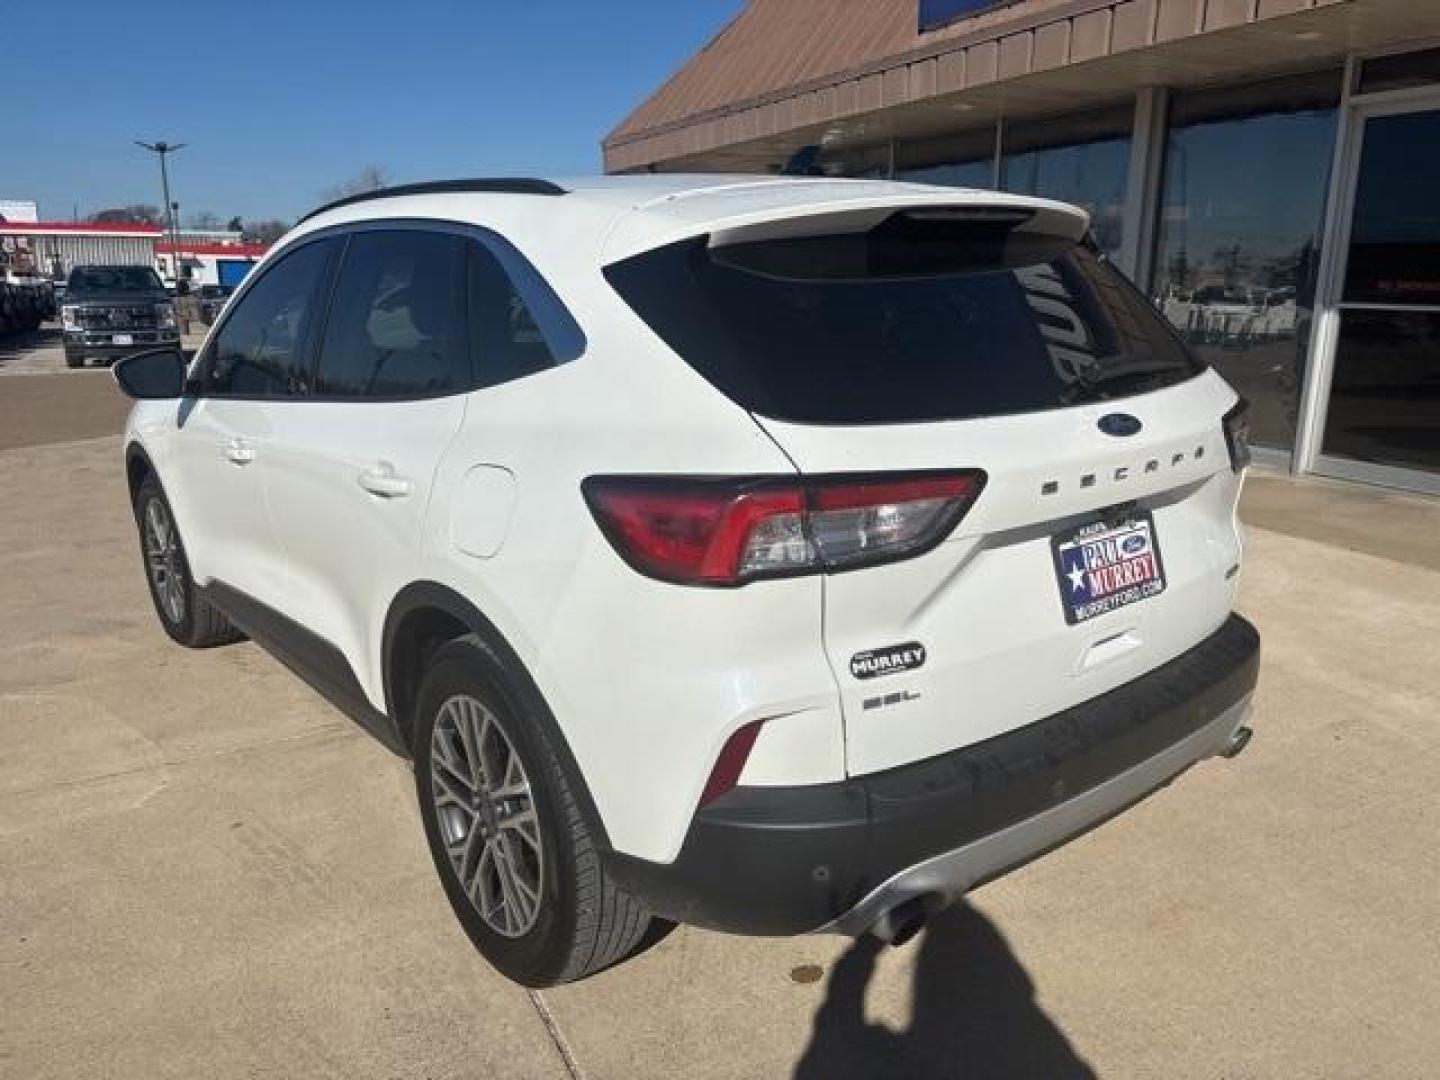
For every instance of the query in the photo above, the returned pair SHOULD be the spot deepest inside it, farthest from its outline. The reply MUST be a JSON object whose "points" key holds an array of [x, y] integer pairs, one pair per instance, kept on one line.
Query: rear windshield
{"points": [[114, 279], [891, 326]]}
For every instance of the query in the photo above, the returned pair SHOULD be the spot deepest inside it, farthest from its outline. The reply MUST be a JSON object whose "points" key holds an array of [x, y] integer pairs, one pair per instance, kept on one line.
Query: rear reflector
{"points": [[731, 762], [730, 531]]}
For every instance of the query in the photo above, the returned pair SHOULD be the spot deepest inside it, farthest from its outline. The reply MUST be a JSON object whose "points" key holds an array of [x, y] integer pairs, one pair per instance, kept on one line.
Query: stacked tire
{"points": [[23, 307]]}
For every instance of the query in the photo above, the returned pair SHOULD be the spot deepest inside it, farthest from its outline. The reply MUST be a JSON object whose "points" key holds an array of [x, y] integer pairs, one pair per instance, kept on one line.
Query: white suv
{"points": [[773, 555]]}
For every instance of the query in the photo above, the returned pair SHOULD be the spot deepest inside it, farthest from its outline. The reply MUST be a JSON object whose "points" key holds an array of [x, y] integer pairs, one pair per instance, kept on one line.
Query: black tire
{"points": [[74, 360], [198, 624], [584, 922]]}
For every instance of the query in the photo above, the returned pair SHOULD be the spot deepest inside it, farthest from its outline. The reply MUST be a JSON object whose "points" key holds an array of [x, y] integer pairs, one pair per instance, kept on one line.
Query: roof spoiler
{"points": [[840, 209]]}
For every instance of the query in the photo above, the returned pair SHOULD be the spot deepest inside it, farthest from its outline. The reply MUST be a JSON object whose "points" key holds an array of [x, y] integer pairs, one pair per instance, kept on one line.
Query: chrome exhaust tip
{"points": [[902, 922], [1237, 742]]}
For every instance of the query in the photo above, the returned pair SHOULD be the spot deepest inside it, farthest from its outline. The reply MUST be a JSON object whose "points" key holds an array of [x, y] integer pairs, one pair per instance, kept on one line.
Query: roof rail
{"points": [[500, 185]]}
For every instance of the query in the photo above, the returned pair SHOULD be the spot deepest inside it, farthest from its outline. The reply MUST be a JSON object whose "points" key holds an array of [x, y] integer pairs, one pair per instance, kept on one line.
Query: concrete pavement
{"points": [[81, 404], [205, 870]]}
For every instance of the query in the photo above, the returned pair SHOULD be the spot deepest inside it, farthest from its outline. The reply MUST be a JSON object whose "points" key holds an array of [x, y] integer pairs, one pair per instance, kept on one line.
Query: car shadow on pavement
{"points": [[973, 1014]]}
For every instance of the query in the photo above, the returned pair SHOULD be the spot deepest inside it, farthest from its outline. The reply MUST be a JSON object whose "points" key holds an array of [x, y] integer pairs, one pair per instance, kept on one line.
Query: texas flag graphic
{"points": [[1103, 568]]}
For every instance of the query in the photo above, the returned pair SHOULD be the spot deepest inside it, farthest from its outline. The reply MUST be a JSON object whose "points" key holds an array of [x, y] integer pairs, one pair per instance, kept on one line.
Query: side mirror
{"points": [[151, 376]]}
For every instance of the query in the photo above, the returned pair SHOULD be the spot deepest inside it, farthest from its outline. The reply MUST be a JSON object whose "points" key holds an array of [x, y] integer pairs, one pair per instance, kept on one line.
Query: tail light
{"points": [[728, 532], [1237, 434]]}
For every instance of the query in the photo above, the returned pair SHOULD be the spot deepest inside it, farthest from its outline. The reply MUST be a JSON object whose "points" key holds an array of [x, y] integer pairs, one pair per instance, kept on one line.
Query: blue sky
{"points": [[278, 101]]}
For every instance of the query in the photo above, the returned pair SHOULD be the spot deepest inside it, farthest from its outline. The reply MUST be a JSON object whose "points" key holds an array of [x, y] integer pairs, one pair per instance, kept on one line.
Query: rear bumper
{"points": [[778, 860]]}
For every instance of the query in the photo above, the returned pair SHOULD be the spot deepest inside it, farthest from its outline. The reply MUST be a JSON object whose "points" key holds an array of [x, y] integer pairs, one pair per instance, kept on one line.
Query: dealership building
{"points": [[1268, 171], [51, 249]]}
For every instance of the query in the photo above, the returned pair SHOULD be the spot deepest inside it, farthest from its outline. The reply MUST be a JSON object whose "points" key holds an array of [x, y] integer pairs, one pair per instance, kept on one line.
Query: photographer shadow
{"points": [[973, 1014]]}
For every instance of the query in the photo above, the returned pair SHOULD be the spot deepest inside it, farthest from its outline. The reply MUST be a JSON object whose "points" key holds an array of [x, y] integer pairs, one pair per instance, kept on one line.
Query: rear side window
{"points": [[506, 342], [397, 319], [914, 320], [263, 348]]}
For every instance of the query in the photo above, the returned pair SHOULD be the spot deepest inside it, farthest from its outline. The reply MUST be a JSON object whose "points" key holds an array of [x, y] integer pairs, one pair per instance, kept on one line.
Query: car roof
{"points": [[628, 214]]}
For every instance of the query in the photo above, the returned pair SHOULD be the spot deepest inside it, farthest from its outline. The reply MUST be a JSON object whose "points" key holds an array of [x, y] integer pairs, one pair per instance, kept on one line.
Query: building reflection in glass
{"points": [[1082, 159], [959, 159], [1238, 251]]}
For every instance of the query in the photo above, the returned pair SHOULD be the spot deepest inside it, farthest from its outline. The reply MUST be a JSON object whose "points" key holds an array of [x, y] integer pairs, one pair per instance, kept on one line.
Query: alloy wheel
{"points": [[164, 561], [487, 815]]}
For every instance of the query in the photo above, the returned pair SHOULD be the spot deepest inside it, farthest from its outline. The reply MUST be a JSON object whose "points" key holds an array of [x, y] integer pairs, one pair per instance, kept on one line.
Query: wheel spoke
{"points": [[524, 824], [450, 789], [465, 726], [452, 757], [509, 885], [515, 785], [484, 735], [483, 797], [161, 546], [159, 526], [465, 855], [175, 598], [524, 897], [493, 899], [456, 776]]}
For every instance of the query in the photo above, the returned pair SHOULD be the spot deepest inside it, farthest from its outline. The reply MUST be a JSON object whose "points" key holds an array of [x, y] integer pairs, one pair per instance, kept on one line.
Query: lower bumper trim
{"points": [[945, 878]]}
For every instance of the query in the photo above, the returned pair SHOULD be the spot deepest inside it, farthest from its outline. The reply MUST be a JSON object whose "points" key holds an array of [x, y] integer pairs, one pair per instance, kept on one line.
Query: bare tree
{"points": [[370, 178], [265, 232], [205, 220], [236, 225], [136, 214]]}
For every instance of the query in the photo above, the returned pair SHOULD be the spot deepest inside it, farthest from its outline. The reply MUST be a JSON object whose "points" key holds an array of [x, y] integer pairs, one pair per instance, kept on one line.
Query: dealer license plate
{"points": [[1102, 567], [123, 339]]}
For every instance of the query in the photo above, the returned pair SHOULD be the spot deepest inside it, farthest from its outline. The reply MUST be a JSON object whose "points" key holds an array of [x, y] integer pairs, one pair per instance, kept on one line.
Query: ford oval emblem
{"points": [[1118, 423]]}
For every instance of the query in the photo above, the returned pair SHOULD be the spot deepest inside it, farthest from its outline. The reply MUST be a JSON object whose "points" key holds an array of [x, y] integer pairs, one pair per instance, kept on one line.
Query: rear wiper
{"points": [[1125, 369], [1093, 382]]}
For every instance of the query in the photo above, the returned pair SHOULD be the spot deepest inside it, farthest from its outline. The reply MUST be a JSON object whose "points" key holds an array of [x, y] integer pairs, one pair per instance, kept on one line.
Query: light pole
{"points": [[161, 149]]}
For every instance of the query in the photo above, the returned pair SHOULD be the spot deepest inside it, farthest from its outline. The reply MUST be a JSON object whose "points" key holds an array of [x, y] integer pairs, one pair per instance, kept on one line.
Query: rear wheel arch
{"points": [[423, 617]]}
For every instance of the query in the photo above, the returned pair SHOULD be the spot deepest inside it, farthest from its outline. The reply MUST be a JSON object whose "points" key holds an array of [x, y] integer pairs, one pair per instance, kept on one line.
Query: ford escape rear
{"points": [[771, 555]]}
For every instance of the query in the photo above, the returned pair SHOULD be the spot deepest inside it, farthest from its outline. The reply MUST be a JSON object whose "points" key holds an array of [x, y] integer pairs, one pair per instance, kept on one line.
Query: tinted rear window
{"points": [[893, 326]]}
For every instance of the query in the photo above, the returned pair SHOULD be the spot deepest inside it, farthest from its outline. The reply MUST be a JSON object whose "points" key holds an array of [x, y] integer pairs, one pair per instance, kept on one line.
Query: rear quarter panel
{"points": [[646, 679]]}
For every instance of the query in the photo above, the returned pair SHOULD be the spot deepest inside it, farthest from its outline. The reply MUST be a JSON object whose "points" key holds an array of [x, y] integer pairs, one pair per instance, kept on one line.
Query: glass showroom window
{"points": [[1384, 406], [964, 159], [1241, 212], [1082, 159], [864, 162]]}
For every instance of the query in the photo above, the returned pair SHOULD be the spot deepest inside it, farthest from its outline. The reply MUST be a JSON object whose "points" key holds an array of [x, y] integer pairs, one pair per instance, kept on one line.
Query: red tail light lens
{"points": [[694, 532], [727, 532]]}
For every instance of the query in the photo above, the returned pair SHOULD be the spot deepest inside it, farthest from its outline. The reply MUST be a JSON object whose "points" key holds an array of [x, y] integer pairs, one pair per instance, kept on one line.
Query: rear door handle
{"points": [[239, 452], [382, 481]]}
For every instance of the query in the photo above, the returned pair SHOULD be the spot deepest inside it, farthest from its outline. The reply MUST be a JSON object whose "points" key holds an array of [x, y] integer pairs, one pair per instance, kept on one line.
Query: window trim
{"points": [[324, 289], [562, 333]]}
